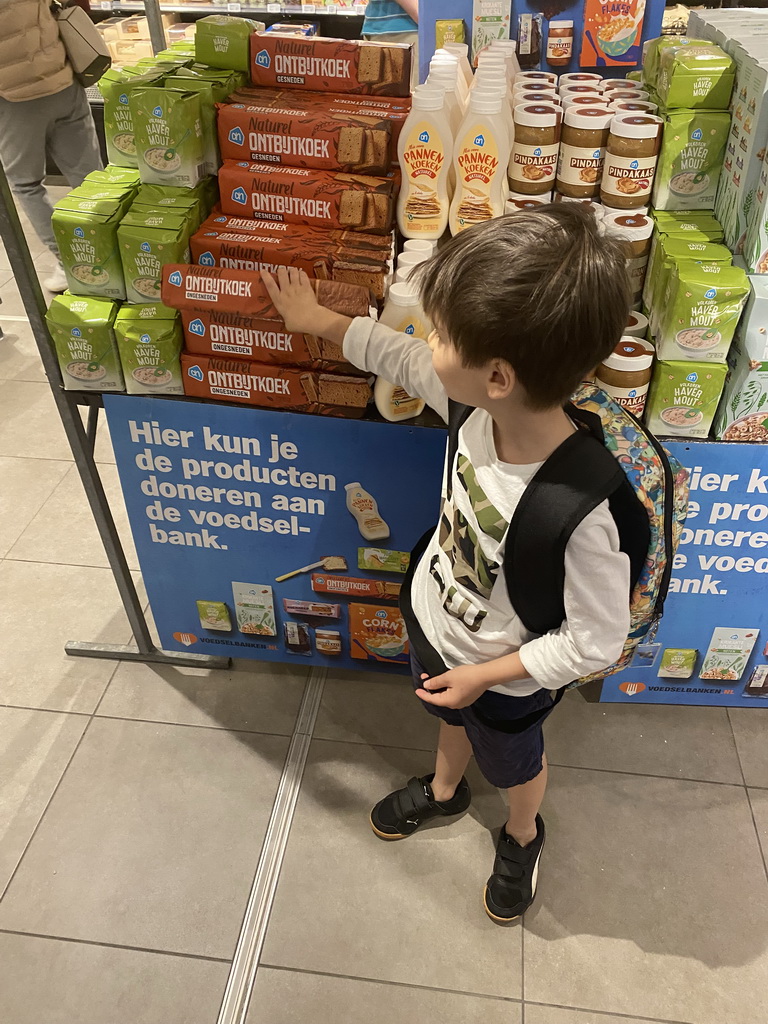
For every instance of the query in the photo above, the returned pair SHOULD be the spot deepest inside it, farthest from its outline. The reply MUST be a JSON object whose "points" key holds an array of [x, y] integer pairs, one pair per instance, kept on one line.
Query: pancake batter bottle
{"points": [[425, 150], [481, 155]]}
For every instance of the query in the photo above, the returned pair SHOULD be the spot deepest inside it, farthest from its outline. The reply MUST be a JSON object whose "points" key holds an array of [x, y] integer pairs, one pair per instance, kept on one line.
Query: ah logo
{"points": [[219, 220], [207, 260], [123, 98], [236, 136], [710, 293], [240, 196], [537, 151], [76, 332], [632, 689], [692, 377], [242, 163], [424, 137], [381, 613], [634, 164], [79, 233], [698, 134], [263, 59], [633, 393], [597, 154], [195, 372], [145, 339], [410, 329], [197, 327], [175, 278], [479, 140], [157, 112], [145, 247]]}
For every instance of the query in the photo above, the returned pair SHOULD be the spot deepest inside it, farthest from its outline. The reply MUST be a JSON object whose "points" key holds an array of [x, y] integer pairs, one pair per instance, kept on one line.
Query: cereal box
{"points": [[168, 135], [377, 633], [728, 653], [683, 397], [82, 332], [743, 411], [86, 233], [148, 239], [330, 65], [690, 160], [223, 42], [254, 609], [701, 310], [150, 340]]}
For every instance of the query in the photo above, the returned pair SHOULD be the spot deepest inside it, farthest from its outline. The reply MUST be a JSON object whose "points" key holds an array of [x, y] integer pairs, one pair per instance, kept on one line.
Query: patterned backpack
{"points": [[611, 457]]}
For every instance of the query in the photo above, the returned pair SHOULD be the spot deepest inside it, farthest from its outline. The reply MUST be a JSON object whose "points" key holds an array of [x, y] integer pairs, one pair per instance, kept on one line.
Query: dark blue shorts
{"points": [[505, 759]]}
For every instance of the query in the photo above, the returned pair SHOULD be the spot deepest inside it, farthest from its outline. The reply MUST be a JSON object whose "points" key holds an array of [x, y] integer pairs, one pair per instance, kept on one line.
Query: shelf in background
{"points": [[306, 10]]}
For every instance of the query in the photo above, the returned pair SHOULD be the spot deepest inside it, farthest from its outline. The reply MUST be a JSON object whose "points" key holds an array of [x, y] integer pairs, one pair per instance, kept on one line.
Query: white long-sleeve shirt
{"points": [[459, 591]]}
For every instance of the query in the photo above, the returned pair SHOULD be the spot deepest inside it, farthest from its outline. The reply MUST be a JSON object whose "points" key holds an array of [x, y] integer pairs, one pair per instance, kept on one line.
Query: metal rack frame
{"points": [[82, 439]]}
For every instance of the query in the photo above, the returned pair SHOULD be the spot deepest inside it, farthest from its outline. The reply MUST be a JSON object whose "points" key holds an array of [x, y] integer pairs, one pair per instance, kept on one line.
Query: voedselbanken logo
{"points": [[632, 689]]}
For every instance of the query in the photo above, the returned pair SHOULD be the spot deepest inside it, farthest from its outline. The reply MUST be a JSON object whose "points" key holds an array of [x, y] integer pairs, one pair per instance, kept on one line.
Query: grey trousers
{"points": [[59, 125]]}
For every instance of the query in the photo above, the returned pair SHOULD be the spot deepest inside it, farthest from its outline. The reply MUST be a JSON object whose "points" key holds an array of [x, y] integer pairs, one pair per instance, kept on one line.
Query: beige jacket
{"points": [[33, 61]]}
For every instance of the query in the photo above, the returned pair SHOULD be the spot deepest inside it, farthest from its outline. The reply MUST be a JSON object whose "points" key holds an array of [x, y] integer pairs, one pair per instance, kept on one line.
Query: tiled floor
{"points": [[134, 802]]}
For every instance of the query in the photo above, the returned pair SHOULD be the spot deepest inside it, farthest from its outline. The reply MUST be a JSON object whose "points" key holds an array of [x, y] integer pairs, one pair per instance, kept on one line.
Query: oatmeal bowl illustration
{"points": [[681, 418], [689, 183], [698, 339]]}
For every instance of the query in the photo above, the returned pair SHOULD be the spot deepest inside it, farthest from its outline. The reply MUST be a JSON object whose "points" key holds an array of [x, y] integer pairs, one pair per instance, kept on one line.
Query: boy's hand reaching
{"points": [[294, 298], [461, 687]]}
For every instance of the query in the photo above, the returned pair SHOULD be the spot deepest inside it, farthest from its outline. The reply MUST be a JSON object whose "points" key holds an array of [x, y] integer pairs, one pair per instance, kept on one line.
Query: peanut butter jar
{"points": [[582, 151], [633, 106], [635, 230], [630, 160], [559, 44], [580, 78], [537, 142], [626, 374]]}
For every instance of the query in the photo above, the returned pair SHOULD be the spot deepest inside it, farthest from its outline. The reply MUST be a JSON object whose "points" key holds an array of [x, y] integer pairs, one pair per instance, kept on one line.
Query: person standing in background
{"points": [[394, 21], [43, 111]]}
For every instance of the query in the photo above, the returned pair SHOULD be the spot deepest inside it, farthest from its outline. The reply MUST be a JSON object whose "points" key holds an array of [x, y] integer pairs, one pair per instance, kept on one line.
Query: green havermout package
{"points": [[115, 87], [82, 332], [150, 339], [695, 78], [690, 160], [212, 91], [669, 251], [148, 239], [683, 397], [169, 136], [656, 47], [223, 42], [86, 234], [701, 310], [114, 175]]}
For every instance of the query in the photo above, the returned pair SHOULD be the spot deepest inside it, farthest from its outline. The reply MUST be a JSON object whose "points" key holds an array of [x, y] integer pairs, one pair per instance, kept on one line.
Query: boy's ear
{"points": [[501, 379]]}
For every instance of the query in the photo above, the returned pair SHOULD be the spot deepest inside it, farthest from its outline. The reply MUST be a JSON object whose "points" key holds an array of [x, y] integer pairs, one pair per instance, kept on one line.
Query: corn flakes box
{"points": [[377, 633]]}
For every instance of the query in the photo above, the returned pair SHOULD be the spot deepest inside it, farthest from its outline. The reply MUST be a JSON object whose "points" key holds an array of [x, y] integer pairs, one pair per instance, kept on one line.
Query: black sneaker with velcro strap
{"points": [[398, 815], [512, 886]]}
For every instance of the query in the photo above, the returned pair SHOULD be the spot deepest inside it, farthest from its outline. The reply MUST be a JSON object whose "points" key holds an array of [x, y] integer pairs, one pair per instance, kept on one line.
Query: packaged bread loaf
{"points": [[274, 387], [297, 195], [214, 332], [284, 135], [330, 65], [236, 291], [300, 233], [251, 251]]}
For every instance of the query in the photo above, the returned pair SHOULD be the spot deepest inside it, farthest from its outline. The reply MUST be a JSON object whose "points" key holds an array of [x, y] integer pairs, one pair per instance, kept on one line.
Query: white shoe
{"points": [[57, 282]]}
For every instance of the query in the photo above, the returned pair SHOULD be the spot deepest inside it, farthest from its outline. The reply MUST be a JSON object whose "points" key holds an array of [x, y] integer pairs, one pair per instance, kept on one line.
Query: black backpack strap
{"points": [[579, 475]]}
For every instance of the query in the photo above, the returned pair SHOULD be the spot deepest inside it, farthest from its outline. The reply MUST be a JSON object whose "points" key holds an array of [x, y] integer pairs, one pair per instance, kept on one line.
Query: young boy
{"points": [[524, 308]]}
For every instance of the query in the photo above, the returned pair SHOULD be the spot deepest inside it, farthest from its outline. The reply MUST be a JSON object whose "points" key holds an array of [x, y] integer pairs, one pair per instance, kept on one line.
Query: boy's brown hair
{"points": [[542, 289]]}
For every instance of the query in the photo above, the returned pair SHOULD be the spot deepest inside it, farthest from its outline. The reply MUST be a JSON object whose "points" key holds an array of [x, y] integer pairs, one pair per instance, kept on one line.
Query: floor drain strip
{"points": [[245, 963]]}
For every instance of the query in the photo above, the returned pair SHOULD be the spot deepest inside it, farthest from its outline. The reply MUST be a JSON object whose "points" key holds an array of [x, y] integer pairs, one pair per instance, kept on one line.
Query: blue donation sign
{"points": [[279, 536], [274, 535], [712, 645]]}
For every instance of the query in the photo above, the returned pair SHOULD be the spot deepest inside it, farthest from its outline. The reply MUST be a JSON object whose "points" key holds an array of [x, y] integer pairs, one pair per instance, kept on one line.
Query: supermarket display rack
{"points": [[82, 439]]}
